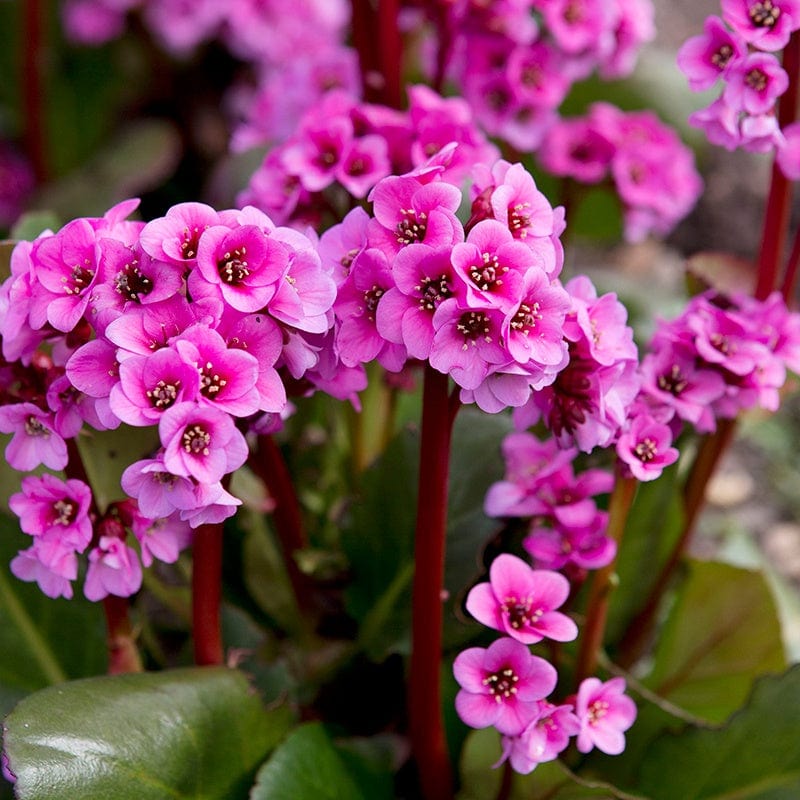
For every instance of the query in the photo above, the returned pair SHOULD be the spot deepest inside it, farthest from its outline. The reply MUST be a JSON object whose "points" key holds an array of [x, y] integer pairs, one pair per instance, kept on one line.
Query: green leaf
{"points": [[32, 223], [756, 756], [721, 633], [42, 641], [306, 765], [190, 733], [379, 543], [106, 454], [138, 159]]}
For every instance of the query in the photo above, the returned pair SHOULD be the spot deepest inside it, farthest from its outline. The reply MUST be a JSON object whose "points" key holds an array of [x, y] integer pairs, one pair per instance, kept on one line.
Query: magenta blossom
{"points": [[48, 564], [521, 602], [200, 442], [704, 58], [766, 24], [605, 713], [501, 686], [646, 447], [34, 439], [114, 568], [50, 508], [543, 740]]}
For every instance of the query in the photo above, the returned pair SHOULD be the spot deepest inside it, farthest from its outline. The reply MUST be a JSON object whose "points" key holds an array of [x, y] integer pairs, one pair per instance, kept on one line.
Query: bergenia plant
{"points": [[335, 450]]}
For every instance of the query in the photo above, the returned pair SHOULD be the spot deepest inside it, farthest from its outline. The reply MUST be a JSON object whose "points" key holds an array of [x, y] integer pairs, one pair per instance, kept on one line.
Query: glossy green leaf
{"points": [[306, 765], [756, 756], [42, 641], [190, 733], [721, 633]]}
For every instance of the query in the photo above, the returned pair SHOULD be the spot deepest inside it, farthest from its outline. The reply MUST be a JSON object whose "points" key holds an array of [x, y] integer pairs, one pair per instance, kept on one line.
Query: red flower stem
{"points": [[790, 276], [428, 743], [603, 582], [390, 52], [708, 457], [269, 465], [776, 216], [364, 39], [123, 655], [439, 10], [33, 87], [207, 595]]}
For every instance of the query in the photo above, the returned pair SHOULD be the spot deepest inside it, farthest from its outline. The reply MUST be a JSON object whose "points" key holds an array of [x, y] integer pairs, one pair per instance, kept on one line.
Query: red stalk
{"points": [[364, 39], [207, 595], [390, 52], [602, 582], [123, 655], [776, 216], [425, 707], [268, 463], [33, 92]]}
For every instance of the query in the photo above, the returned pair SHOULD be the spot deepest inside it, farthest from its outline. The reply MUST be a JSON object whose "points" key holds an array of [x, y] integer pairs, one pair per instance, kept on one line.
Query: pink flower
{"points": [[705, 58], [501, 686], [766, 24], [583, 544], [243, 264], [51, 566], [521, 602], [755, 83], [52, 509], [646, 448], [114, 568], [175, 237], [543, 740], [200, 442], [149, 385], [34, 439], [605, 713]]}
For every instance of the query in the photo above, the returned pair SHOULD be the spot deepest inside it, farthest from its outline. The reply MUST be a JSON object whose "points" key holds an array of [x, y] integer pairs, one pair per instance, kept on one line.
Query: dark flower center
{"points": [[210, 382], [672, 381], [432, 292], [371, 298], [756, 79], [131, 283], [64, 512], [487, 276], [502, 684], [412, 226], [191, 237], [163, 394], [473, 325], [526, 318], [233, 268], [34, 427], [721, 58], [765, 14], [645, 450], [196, 440]]}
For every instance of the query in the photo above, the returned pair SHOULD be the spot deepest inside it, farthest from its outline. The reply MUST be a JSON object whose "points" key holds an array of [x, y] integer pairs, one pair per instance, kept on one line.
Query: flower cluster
{"points": [[506, 686], [740, 48], [652, 171], [566, 529], [483, 306], [588, 403], [720, 356], [515, 62], [180, 325], [342, 141]]}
